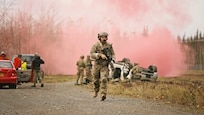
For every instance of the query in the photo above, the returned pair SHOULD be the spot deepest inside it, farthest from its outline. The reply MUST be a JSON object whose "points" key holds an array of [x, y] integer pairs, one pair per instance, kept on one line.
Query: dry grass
{"points": [[59, 78], [187, 89], [182, 90], [192, 95]]}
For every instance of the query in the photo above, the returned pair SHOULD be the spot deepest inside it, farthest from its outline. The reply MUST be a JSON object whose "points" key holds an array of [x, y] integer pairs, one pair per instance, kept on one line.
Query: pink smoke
{"points": [[124, 21], [160, 48]]}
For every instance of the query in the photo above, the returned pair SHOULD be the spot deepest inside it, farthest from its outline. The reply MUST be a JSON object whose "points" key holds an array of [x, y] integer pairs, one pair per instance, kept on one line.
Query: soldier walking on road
{"points": [[102, 52], [80, 70], [37, 71]]}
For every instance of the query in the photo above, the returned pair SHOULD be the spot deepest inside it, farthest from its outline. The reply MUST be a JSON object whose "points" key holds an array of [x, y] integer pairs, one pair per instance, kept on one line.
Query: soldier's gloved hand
{"points": [[103, 56], [113, 58]]}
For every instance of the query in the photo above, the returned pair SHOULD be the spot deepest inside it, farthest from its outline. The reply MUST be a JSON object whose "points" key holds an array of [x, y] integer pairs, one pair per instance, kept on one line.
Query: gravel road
{"points": [[68, 99]]}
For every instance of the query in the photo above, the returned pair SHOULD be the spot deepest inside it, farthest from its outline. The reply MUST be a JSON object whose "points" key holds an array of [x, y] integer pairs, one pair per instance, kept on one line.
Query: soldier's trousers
{"points": [[88, 73], [100, 75], [38, 76], [80, 75]]}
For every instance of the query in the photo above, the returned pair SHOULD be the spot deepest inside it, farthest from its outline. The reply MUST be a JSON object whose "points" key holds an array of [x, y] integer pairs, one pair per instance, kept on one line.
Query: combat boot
{"points": [[103, 97], [76, 84], [95, 94]]}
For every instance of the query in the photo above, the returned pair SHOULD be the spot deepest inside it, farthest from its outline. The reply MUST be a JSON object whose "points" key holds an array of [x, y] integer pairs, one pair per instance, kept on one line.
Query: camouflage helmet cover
{"points": [[102, 34], [82, 56], [136, 63]]}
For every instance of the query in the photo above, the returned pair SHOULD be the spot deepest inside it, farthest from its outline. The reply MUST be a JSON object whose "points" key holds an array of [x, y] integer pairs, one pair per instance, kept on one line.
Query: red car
{"points": [[8, 75]]}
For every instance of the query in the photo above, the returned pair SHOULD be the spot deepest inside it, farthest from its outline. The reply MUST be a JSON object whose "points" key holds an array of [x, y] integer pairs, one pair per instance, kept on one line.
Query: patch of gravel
{"points": [[68, 99]]}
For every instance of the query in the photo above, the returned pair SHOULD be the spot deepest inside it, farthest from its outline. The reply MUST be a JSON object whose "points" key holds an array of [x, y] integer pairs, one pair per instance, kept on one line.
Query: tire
{"points": [[12, 86], [153, 68]]}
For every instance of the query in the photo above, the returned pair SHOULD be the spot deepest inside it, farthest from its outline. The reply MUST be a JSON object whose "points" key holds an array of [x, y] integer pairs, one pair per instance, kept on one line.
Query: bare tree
{"points": [[47, 28], [5, 6], [21, 27]]}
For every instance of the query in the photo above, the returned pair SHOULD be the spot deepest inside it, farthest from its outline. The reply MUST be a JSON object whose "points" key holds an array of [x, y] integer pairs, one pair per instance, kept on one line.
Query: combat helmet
{"points": [[104, 34], [136, 63], [82, 56]]}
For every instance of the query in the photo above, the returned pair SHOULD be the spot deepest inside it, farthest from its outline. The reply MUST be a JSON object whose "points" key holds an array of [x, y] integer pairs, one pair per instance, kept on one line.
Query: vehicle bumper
{"points": [[9, 80]]}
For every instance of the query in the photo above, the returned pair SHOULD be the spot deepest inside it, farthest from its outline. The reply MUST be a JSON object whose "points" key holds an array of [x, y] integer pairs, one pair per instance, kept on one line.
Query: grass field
{"points": [[186, 89], [59, 78]]}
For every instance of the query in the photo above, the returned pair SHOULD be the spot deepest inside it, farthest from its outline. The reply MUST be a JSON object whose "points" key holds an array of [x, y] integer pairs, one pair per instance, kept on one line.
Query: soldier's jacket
{"points": [[88, 63], [81, 64], [136, 69], [98, 48]]}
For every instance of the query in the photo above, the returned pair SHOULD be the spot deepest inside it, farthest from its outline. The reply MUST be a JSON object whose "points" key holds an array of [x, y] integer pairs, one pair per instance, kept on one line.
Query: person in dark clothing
{"points": [[37, 61]]}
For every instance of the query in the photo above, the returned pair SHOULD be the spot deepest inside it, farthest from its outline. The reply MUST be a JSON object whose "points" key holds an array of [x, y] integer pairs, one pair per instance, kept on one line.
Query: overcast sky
{"points": [[195, 11], [180, 16]]}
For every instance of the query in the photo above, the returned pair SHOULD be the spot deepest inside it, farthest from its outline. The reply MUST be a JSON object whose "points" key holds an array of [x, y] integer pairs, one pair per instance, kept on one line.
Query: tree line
{"points": [[22, 31], [195, 56]]}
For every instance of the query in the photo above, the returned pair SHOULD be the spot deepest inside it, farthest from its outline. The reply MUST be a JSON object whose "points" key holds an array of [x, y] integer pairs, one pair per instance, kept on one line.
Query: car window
{"points": [[5, 64], [28, 58]]}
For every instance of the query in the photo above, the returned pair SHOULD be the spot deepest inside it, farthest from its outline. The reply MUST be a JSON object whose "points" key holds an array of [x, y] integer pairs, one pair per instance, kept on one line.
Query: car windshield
{"points": [[28, 58], [5, 64]]}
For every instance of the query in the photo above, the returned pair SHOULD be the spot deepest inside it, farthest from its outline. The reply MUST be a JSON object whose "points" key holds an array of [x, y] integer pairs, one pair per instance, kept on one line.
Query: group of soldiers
{"points": [[84, 73], [102, 54]]}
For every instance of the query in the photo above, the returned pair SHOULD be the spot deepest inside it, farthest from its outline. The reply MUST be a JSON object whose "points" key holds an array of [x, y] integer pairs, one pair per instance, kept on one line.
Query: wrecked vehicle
{"points": [[124, 71], [144, 74], [25, 76], [119, 70]]}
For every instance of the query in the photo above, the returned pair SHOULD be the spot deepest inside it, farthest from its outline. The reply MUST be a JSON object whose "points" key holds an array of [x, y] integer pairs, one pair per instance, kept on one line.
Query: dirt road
{"points": [[68, 99]]}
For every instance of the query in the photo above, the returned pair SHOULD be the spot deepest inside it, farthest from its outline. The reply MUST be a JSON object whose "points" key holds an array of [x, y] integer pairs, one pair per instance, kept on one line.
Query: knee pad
{"points": [[96, 82], [104, 80]]}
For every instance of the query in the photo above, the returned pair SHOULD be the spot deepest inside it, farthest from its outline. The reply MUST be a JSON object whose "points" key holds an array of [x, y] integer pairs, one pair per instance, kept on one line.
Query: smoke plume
{"points": [[141, 30]]}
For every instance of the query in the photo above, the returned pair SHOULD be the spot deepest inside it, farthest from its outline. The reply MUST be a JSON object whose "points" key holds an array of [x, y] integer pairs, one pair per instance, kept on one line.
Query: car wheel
{"points": [[12, 86], [153, 68]]}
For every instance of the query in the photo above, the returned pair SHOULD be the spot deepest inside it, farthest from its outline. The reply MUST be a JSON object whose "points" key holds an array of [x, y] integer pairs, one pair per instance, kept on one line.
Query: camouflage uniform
{"points": [[88, 68], [80, 70], [101, 70], [136, 70]]}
